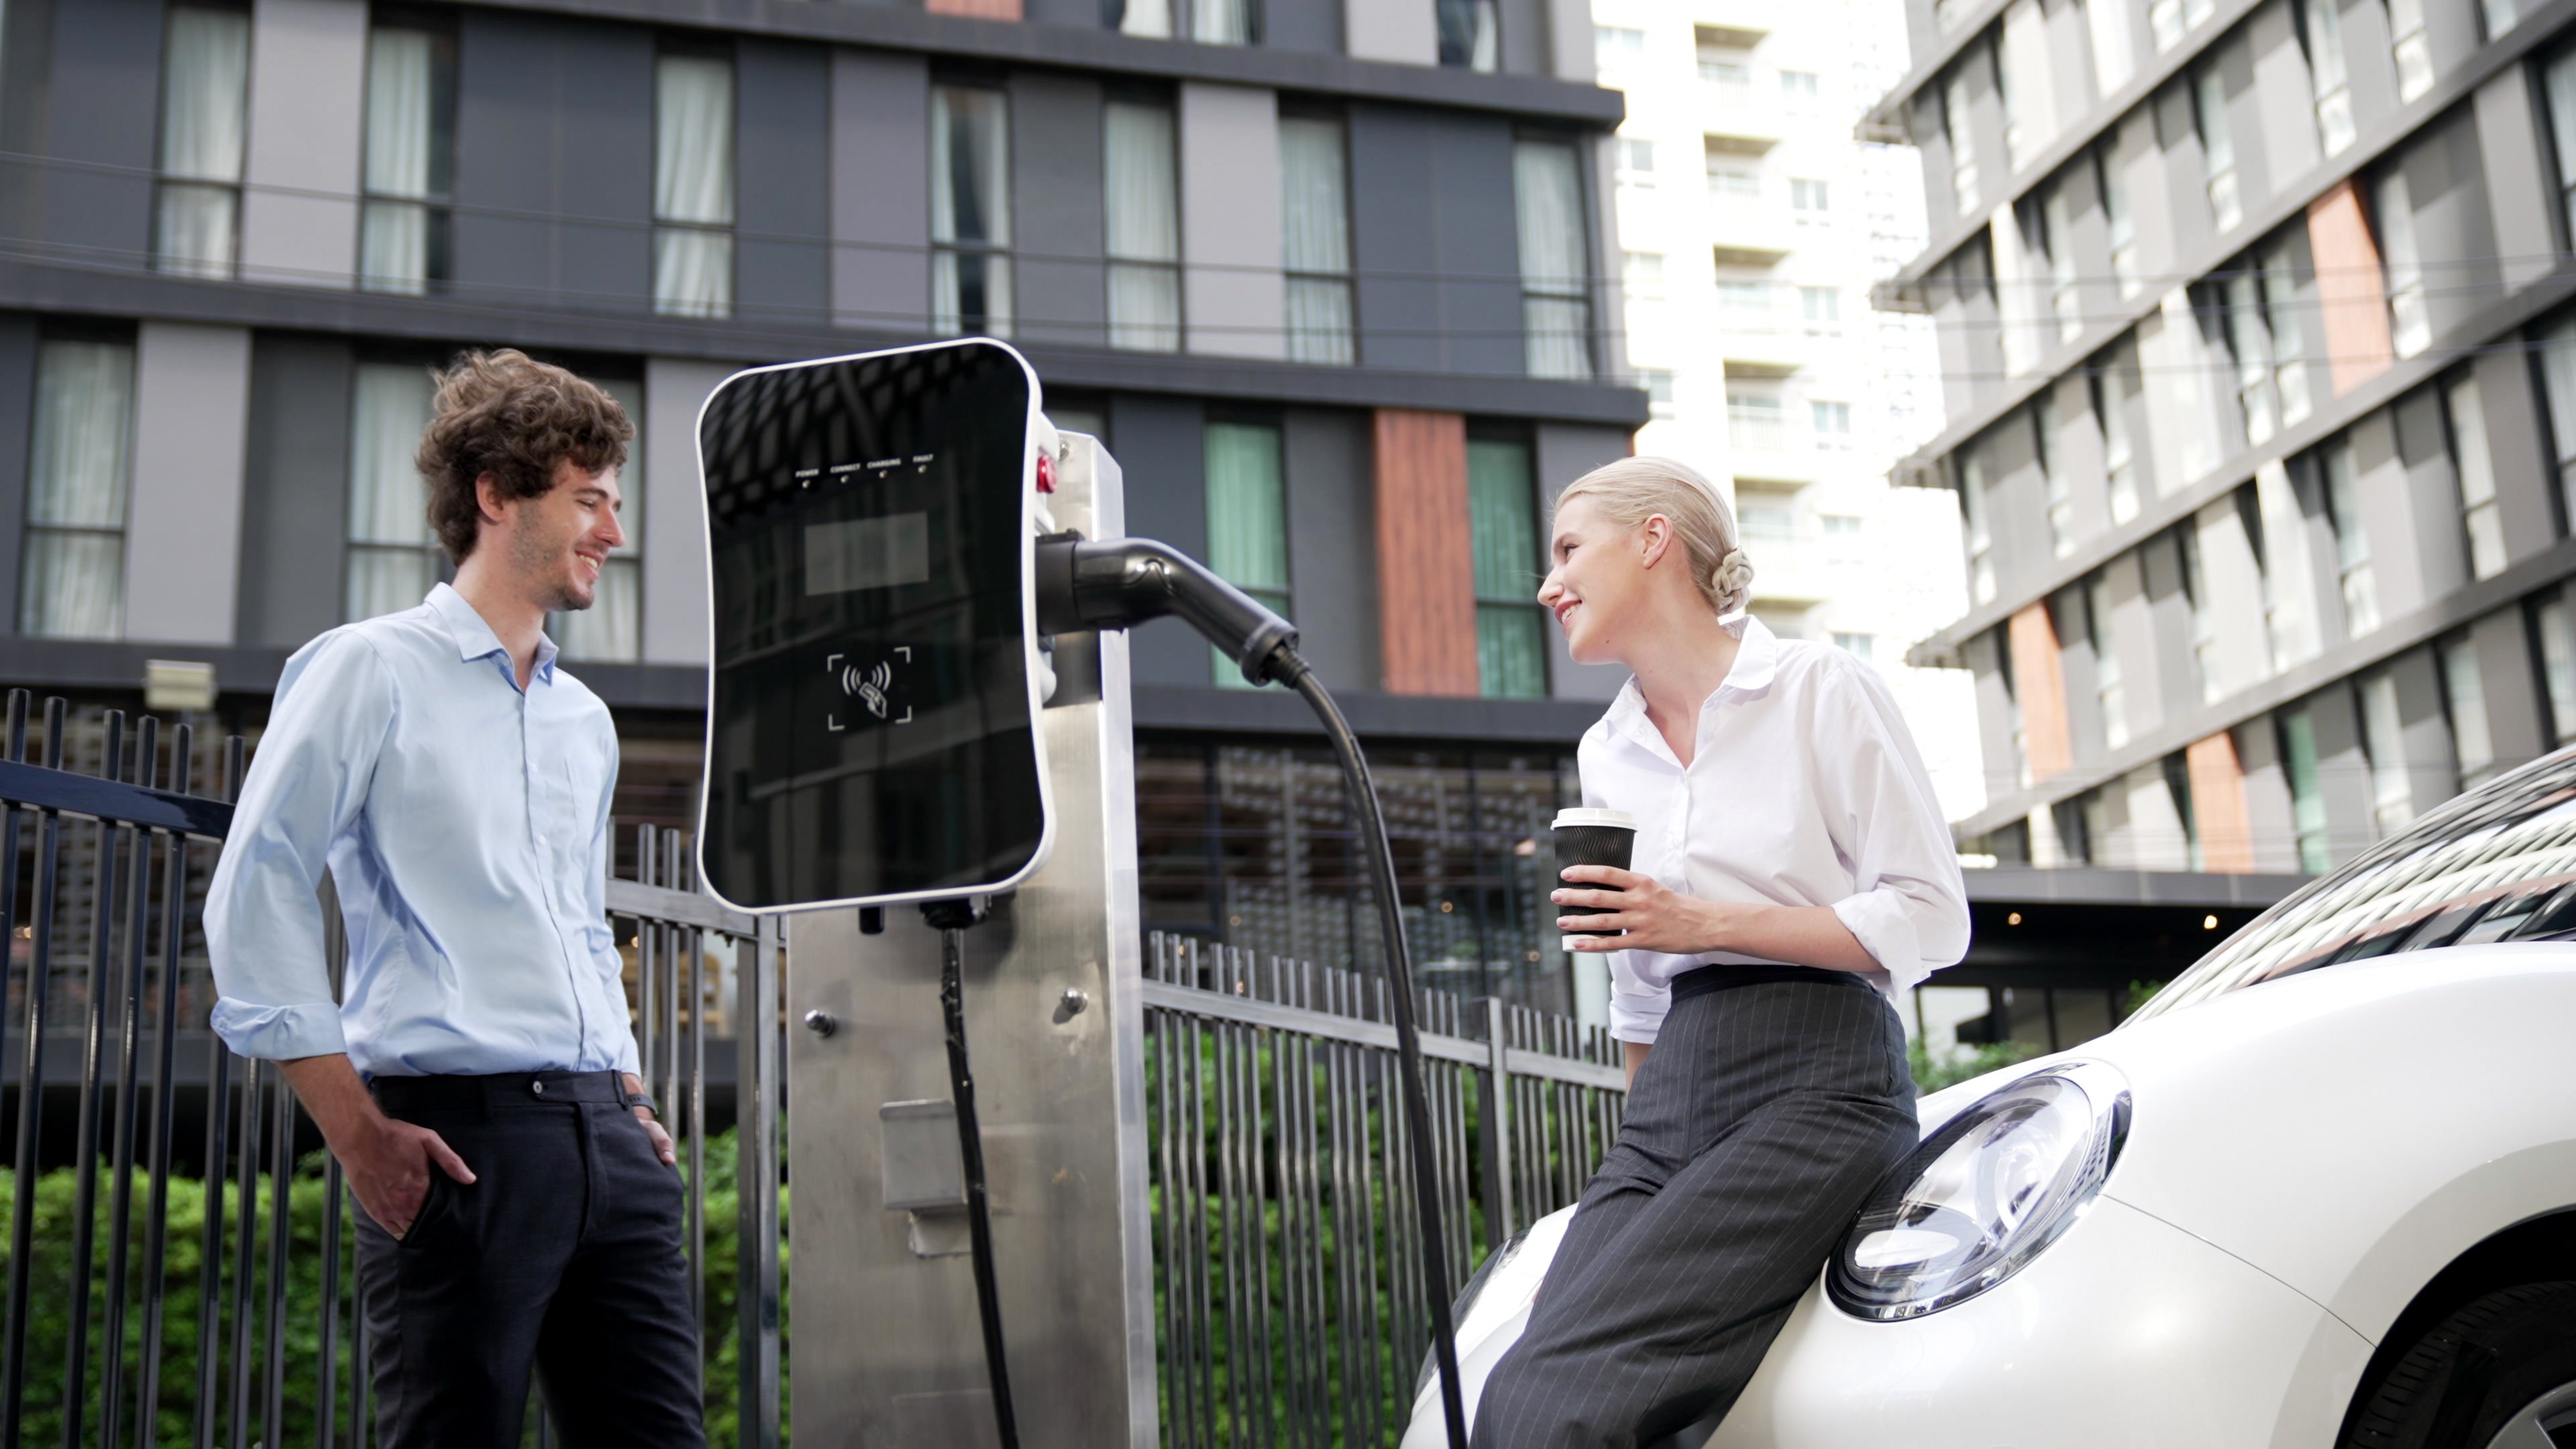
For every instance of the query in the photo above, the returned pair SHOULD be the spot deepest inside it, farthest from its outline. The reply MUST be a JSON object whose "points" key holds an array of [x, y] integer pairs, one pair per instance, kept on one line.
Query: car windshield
{"points": [[2495, 864]]}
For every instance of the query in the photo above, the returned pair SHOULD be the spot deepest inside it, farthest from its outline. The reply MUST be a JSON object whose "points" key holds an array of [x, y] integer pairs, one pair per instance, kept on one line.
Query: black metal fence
{"points": [[148, 1306]]}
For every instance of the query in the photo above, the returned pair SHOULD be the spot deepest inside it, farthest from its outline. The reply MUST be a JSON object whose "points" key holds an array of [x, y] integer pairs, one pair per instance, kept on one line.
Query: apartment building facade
{"points": [[1329, 278], [2260, 370]]}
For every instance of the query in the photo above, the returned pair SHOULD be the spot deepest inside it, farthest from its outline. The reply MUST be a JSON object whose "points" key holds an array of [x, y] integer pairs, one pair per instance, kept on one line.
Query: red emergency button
{"points": [[1046, 473]]}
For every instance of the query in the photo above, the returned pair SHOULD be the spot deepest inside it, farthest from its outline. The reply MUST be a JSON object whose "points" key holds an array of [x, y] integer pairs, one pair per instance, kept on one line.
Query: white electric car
{"points": [[2320, 1193]]}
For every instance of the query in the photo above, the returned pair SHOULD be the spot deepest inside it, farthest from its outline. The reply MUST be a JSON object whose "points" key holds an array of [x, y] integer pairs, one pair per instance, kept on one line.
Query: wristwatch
{"points": [[643, 1100]]}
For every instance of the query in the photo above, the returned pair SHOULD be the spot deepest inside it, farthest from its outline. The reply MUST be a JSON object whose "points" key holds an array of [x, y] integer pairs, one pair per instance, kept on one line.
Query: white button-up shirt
{"points": [[1804, 789], [465, 821]]}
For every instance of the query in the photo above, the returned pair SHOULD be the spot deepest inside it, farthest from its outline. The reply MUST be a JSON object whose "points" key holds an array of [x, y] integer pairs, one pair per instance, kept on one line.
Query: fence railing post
{"points": [[1496, 1127], [756, 1077]]}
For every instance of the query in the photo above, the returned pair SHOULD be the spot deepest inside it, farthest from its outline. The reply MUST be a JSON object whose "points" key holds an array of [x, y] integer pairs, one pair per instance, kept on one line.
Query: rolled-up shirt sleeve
{"points": [[334, 709], [1909, 904], [1637, 1007]]}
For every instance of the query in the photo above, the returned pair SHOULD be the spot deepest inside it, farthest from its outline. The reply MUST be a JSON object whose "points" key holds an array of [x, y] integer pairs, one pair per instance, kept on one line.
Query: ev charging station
{"points": [[919, 738]]}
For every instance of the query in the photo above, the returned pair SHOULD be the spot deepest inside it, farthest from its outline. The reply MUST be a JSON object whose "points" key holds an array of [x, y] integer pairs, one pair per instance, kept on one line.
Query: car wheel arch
{"points": [[2537, 1249]]}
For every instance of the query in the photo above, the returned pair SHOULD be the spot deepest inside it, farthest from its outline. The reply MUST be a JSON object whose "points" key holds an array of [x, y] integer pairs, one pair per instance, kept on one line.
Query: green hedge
{"points": [[49, 1324]]}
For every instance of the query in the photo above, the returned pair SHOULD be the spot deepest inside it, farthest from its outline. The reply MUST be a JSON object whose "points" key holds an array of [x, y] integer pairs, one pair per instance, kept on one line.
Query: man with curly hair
{"points": [[519, 1207]]}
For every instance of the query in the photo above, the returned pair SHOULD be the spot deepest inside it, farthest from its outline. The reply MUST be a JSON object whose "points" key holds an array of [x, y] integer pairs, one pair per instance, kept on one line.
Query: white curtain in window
{"points": [[1556, 312], [2410, 321], [1143, 227], [78, 470], [393, 239], [2108, 20], [693, 185], [1221, 22], [391, 565], [205, 85], [1148, 18], [1315, 203], [970, 204], [2560, 81], [2558, 378]]}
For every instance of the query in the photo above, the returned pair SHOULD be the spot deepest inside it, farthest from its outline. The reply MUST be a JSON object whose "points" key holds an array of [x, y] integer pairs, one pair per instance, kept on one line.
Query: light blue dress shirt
{"points": [[465, 822]]}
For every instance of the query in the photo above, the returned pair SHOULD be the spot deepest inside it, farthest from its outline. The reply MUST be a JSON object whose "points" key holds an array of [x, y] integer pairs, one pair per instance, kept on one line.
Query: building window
{"points": [[2114, 388], [2217, 149], [2016, 729], [1556, 308], [1958, 126], [2249, 343], [1832, 422], [693, 186], [1636, 162], [205, 94], [2501, 16], [2107, 21], [1315, 171], [1767, 518], [1808, 201], [612, 628], [2558, 380], [1615, 46], [1144, 227], [1857, 645], [1822, 307], [2057, 239], [2204, 623], [2383, 739], [2475, 467], [2410, 325], [2307, 806], [1247, 506], [1642, 274], [2122, 227], [1753, 420], [1728, 71], [1471, 34], [970, 210], [2352, 540], [1798, 89], [410, 160], [2321, 25], [2414, 51], [1733, 185], [2559, 83], [393, 559], [1658, 383], [1744, 304], [2052, 478], [2284, 331], [2177, 773], [1502, 510], [1840, 528], [2106, 662], [2171, 20], [79, 468], [2557, 667], [1209, 22], [1972, 513], [2464, 699]]}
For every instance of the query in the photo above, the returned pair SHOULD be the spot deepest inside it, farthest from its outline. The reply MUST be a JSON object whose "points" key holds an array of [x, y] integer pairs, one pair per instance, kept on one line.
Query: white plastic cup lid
{"points": [[1581, 816]]}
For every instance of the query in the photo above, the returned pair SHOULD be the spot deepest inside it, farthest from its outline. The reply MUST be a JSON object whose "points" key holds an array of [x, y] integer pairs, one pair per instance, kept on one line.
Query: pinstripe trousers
{"points": [[1760, 1121]]}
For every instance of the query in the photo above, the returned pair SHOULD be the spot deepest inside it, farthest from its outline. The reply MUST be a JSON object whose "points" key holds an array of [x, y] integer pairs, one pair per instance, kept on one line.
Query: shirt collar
{"points": [[1757, 659], [475, 639]]}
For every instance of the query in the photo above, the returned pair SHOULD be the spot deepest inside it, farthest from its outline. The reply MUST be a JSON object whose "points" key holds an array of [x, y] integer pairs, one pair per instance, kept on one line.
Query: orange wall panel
{"points": [[2351, 299], [2039, 686], [2218, 805], [978, 9], [1426, 565]]}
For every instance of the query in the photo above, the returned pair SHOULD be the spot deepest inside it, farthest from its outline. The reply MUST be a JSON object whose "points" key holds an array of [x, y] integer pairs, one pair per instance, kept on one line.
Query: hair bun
{"points": [[1732, 580]]}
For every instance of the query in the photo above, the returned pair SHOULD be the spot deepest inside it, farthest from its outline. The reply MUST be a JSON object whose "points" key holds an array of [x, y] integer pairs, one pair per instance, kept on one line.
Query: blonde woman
{"points": [[1792, 876]]}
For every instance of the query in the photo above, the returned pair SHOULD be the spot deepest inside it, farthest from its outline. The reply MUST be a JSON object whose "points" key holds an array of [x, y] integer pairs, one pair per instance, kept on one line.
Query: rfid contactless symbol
{"points": [[870, 687]]}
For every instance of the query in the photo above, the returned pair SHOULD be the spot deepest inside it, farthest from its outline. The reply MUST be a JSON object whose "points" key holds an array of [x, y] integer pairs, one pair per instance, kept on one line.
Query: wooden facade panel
{"points": [[975, 9], [2039, 687], [1425, 559], [2218, 805], [2351, 300]]}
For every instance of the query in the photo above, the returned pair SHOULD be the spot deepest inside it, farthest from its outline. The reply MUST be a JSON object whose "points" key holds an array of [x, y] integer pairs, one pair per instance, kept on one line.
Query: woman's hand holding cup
{"points": [[1643, 915]]}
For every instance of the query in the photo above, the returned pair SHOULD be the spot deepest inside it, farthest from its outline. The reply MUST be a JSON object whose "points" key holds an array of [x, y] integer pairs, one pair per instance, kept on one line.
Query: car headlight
{"points": [[1485, 1271], [1984, 1195]]}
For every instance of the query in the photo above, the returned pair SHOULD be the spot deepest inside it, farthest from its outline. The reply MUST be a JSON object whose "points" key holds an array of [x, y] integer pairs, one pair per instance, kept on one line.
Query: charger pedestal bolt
{"points": [[821, 1022], [1075, 999]]}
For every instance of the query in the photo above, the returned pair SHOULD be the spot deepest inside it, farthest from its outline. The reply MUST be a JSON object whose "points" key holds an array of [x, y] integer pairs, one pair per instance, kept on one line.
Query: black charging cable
{"points": [[1119, 583], [950, 919]]}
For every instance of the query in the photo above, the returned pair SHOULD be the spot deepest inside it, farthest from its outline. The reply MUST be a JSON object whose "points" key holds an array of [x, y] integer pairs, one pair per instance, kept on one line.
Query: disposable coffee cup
{"points": [[1592, 837]]}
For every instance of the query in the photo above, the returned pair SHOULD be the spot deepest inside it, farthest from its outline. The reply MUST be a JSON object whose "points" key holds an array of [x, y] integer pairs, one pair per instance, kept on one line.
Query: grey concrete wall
{"points": [[1162, 446], [554, 117], [1307, 25], [17, 414], [2343, 773], [2385, 499], [1332, 552], [1432, 193], [2174, 680], [1985, 656], [2369, 58], [2135, 155], [2282, 99], [782, 179], [2518, 447], [1570, 40], [101, 107], [1952, 332], [2432, 548], [26, 61], [2510, 146], [2508, 672], [184, 513], [2267, 796], [2084, 726], [295, 495], [676, 627], [1058, 209], [2291, 244], [1234, 296], [2234, 581], [2184, 190], [880, 194], [1524, 26], [2076, 456], [308, 72], [2128, 630], [1566, 452], [2432, 769], [1932, 151], [2454, 222], [2088, 236], [2016, 503], [1393, 30]]}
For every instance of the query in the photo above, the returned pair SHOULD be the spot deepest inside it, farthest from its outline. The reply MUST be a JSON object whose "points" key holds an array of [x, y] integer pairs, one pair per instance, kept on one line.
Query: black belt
{"points": [[501, 1089], [1726, 977]]}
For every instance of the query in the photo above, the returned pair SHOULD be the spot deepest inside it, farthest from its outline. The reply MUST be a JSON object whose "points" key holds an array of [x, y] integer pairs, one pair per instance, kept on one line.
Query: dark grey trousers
{"points": [[563, 1256], [1758, 1124]]}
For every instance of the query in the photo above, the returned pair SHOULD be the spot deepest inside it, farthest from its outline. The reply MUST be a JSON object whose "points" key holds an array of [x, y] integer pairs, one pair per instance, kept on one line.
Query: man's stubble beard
{"points": [[535, 558]]}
